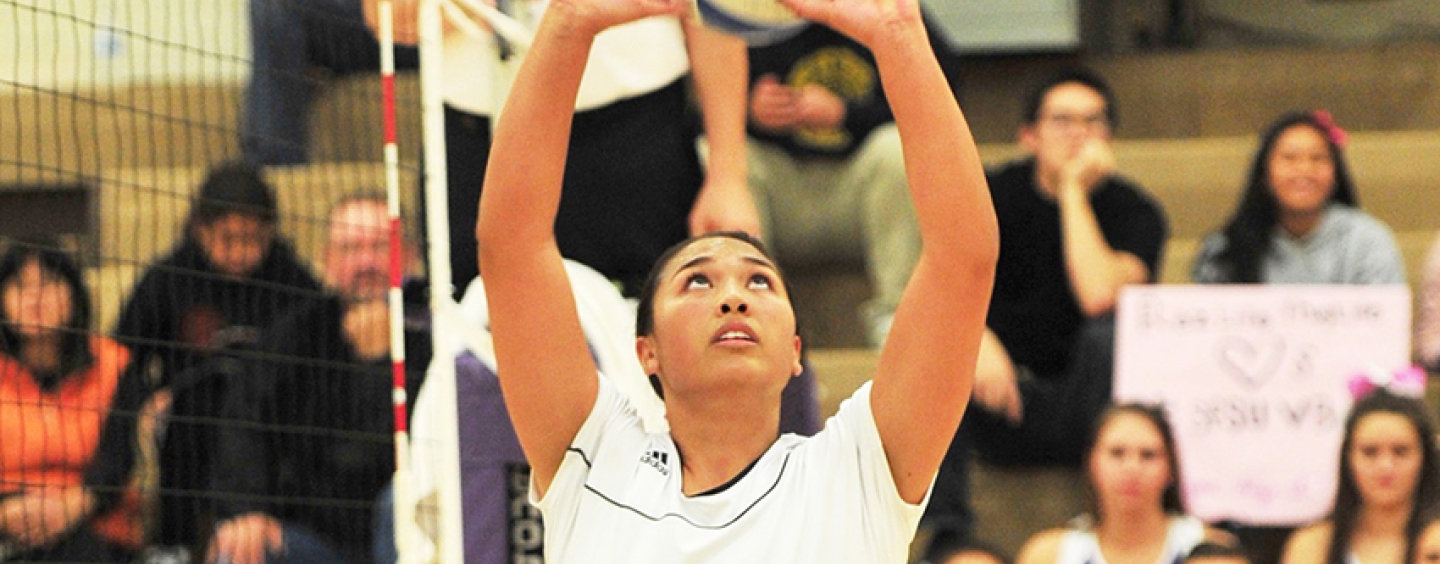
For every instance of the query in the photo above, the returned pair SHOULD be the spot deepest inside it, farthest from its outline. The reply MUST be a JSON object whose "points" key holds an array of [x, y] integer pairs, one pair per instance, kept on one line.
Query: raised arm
{"points": [[546, 373], [927, 366]]}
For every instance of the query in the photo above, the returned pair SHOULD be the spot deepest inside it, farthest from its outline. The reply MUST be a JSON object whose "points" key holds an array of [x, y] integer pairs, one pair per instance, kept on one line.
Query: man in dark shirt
{"points": [[316, 448], [1072, 234]]}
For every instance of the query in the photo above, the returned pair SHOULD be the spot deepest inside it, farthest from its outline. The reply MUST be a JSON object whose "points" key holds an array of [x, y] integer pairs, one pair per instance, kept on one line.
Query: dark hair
{"points": [[1170, 499], [1247, 234], [1429, 516], [1347, 495], [233, 188], [1082, 76], [74, 344], [943, 549], [645, 313], [1212, 549]]}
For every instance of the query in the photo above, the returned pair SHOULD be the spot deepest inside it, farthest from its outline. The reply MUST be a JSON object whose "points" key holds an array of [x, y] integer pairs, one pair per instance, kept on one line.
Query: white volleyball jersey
{"points": [[617, 498], [1081, 547]]}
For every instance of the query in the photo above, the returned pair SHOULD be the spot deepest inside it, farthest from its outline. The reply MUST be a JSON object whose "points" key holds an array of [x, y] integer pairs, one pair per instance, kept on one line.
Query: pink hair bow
{"points": [[1408, 382], [1337, 135]]}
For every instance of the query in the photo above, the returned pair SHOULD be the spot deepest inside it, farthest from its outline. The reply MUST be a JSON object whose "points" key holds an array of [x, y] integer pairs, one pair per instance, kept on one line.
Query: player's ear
{"points": [[645, 352]]}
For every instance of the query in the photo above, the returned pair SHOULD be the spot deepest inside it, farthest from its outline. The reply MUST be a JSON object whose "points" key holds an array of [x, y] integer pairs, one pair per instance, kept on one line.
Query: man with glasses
{"points": [[1072, 233]]}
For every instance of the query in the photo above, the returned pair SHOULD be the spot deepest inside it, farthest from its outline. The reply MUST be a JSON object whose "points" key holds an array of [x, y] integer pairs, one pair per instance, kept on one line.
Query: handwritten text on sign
{"points": [[1253, 381]]}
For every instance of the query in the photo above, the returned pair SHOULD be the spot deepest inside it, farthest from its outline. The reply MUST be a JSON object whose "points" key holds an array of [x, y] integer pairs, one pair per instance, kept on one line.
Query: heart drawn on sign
{"points": [[1252, 361]]}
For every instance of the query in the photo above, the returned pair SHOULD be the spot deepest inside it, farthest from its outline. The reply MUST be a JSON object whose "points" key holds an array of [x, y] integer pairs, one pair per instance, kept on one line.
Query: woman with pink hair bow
{"points": [[1388, 478], [1298, 221]]}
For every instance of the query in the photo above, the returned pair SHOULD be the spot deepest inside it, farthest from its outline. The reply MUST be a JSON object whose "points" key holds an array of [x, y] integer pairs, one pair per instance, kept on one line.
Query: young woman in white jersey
{"points": [[1387, 480], [1136, 514], [717, 330]]}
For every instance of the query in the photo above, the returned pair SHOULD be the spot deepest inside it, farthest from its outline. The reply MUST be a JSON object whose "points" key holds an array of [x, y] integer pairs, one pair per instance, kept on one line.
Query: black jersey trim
{"points": [[657, 518], [583, 457]]}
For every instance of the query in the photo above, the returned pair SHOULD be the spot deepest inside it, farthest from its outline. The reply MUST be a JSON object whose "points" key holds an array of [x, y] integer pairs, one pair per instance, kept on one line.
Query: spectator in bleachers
{"points": [[1072, 233], [230, 277], [1298, 221], [825, 166], [289, 41], [1427, 327], [1136, 513], [301, 475], [633, 180], [1387, 478], [68, 407]]}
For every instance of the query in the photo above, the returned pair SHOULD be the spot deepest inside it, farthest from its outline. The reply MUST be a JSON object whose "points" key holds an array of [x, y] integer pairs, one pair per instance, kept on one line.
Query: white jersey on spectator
{"points": [[1081, 547]]}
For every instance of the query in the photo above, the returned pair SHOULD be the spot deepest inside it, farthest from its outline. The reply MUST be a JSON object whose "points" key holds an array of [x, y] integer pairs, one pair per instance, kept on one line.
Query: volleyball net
{"points": [[113, 115]]}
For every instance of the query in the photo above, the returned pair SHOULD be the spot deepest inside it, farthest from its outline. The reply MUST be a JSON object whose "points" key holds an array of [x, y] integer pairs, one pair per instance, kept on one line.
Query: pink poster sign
{"points": [[1253, 380]]}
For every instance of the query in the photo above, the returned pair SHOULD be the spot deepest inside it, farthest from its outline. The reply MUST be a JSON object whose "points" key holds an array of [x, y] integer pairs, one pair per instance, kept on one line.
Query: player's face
{"points": [[1427, 545], [720, 308], [37, 301], [357, 251], [1301, 171], [1070, 115], [1385, 459], [1130, 464], [235, 243]]}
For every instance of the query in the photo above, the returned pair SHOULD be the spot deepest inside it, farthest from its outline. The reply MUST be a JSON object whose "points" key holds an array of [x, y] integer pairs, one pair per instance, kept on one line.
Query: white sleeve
{"points": [[853, 444], [612, 412]]}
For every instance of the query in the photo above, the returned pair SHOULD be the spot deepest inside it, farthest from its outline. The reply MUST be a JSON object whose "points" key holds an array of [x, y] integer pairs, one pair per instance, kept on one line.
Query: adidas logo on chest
{"points": [[658, 460]]}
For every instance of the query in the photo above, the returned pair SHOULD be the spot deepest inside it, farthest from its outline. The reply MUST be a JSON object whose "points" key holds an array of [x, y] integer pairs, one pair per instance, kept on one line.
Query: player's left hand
{"points": [[862, 20]]}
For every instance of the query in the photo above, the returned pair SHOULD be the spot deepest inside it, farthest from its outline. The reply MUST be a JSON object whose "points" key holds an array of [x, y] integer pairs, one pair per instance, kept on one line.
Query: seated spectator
{"points": [[289, 40], [1216, 553], [1427, 327], [1073, 232], [230, 277], [1298, 221], [1387, 478], [227, 280], [825, 164], [68, 405], [301, 478], [1137, 513]]}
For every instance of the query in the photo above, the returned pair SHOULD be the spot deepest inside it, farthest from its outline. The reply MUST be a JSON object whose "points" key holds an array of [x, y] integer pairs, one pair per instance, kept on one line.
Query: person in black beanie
{"points": [[230, 276]]}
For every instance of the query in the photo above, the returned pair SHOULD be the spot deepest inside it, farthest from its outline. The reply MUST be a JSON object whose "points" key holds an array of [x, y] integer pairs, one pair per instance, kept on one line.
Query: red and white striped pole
{"points": [[403, 505]]}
